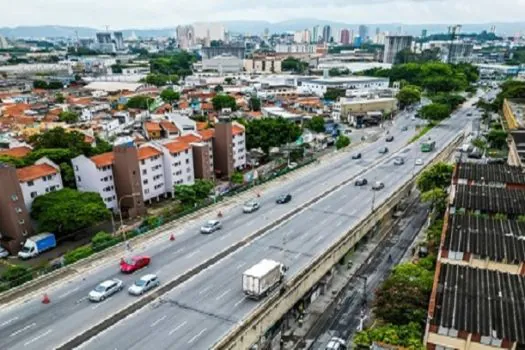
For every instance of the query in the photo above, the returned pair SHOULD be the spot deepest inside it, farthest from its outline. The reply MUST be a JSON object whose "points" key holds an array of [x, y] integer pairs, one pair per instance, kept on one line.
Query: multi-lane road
{"points": [[197, 313]]}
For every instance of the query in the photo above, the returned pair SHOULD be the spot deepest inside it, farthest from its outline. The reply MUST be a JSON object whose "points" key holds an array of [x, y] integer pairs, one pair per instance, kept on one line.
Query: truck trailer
{"points": [[262, 278], [37, 244]]}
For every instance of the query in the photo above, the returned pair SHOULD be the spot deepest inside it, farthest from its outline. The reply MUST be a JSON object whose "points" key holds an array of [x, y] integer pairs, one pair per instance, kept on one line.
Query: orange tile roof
{"points": [[177, 146], [83, 101], [183, 105], [207, 134], [206, 106], [103, 159], [23, 120], [168, 126], [16, 152], [148, 152], [17, 109], [202, 125], [188, 138], [35, 172], [152, 126], [236, 130]]}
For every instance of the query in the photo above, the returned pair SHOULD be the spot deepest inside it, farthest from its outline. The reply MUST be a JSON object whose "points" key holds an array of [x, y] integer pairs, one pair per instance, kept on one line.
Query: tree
{"points": [[342, 141], [333, 94], [451, 100], [179, 63], [294, 64], [13, 161], [437, 197], [237, 178], [140, 102], [223, 101], [67, 210], [497, 138], [73, 141], [269, 132], [218, 88], [186, 195], [403, 297], [480, 143], [68, 175], [405, 56], [202, 188], [169, 96], [68, 117], [438, 175], [59, 98], [408, 95], [254, 103], [55, 85], [228, 81], [315, 124], [407, 336], [435, 112], [40, 84], [16, 275]]}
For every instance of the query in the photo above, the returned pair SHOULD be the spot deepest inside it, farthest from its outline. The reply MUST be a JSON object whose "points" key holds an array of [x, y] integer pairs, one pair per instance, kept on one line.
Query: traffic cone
{"points": [[172, 237], [45, 299]]}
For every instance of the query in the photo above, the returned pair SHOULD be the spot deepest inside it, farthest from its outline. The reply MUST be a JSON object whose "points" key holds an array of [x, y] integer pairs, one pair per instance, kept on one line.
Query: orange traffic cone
{"points": [[172, 237], [45, 299]]}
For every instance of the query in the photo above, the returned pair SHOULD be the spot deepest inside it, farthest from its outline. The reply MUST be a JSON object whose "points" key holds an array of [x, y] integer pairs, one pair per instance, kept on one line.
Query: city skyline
{"points": [[98, 13]]}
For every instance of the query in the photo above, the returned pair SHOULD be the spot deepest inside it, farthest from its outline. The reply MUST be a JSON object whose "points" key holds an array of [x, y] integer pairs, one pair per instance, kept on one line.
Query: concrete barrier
{"points": [[275, 307]]}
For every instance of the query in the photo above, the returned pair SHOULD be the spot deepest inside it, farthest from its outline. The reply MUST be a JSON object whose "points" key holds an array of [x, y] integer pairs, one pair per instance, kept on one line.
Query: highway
{"points": [[30, 324], [199, 312]]}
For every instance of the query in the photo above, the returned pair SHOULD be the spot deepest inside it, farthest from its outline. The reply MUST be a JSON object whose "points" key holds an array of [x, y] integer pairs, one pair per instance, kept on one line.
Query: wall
{"points": [[89, 178], [152, 177], [127, 181]]}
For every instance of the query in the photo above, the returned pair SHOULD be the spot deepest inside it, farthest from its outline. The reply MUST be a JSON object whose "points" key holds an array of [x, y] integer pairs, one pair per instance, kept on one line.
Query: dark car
{"points": [[285, 198], [389, 138], [356, 156], [361, 182]]}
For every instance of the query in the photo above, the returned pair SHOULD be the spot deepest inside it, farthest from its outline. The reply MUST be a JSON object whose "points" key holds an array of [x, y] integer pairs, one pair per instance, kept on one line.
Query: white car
{"points": [[3, 253], [419, 161], [211, 226], [250, 206], [144, 284], [106, 289], [399, 161]]}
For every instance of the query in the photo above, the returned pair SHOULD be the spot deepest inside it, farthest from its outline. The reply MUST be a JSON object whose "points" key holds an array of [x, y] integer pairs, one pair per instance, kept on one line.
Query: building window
{"points": [[18, 210], [187, 161], [144, 171], [146, 191], [189, 178], [188, 170], [14, 197], [21, 221], [145, 182], [143, 161], [34, 194], [186, 151], [78, 179], [30, 183], [76, 167]]}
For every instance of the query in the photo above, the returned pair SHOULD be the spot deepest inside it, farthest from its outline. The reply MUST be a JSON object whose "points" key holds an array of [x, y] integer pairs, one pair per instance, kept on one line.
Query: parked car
{"points": [[284, 198], [144, 284], [336, 344], [383, 150], [129, 265], [419, 161], [399, 161], [404, 128], [3, 253], [361, 182], [356, 156], [389, 138], [378, 186], [211, 226], [106, 289], [250, 206]]}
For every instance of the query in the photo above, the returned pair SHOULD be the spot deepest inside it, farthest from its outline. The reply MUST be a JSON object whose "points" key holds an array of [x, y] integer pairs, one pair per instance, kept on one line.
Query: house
{"points": [[152, 130], [38, 179]]}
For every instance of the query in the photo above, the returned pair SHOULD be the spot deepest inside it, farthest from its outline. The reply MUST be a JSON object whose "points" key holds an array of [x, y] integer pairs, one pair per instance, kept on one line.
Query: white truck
{"points": [[37, 244], [262, 278]]}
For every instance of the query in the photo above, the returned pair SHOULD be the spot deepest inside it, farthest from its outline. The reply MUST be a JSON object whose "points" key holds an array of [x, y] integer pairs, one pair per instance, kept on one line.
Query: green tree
{"points": [[333, 94], [13, 161], [68, 117], [68, 175], [103, 240], [218, 88], [53, 211], [237, 178], [55, 85], [509, 89], [497, 138], [186, 195], [269, 132], [40, 84], [16, 275], [169, 96], [315, 124], [73, 141], [59, 98], [294, 64], [408, 95], [223, 101], [254, 103], [342, 141], [407, 336], [179, 63], [451, 100], [437, 197], [140, 102], [479, 143], [438, 175], [435, 112], [202, 188]]}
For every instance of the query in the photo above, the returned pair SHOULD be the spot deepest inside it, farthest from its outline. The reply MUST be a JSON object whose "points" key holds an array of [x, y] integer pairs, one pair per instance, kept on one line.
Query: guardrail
{"points": [[276, 306]]}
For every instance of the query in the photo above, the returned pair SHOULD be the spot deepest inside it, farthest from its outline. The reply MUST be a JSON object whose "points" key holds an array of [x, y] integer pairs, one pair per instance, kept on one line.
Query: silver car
{"points": [[250, 206], [211, 226], [3, 253], [399, 161], [106, 289], [144, 284]]}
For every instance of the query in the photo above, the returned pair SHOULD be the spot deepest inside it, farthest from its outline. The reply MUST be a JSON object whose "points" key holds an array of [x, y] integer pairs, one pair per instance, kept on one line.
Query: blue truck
{"points": [[37, 244]]}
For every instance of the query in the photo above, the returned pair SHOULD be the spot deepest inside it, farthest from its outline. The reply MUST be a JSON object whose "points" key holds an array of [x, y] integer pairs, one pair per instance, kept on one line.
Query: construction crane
{"points": [[453, 31]]}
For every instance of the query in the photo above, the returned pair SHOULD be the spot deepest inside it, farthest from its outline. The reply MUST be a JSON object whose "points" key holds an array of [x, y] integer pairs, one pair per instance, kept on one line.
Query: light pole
{"points": [[135, 194]]}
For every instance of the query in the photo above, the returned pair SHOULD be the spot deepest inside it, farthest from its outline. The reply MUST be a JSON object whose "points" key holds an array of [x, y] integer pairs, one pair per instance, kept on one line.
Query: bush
{"points": [[77, 254], [103, 240], [16, 275]]}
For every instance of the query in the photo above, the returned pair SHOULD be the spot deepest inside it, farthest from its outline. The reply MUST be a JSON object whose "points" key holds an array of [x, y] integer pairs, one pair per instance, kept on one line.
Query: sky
{"points": [[121, 14]]}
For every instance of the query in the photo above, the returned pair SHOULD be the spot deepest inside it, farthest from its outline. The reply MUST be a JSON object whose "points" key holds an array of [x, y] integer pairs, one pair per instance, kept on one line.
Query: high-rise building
{"points": [[185, 36], [298, 36], [327, 33], [209, 31], [363, 32], [394, 44], [104, 38], [315, 34], [119, 41], [3, 43], [424, 33], [345, 36], [378, 30]]}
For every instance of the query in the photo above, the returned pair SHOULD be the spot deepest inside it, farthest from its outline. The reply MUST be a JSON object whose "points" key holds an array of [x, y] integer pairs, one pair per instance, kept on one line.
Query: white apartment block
{"points": [[178, 161], [95, 174], [151, 165], [239, 146], [38, 179]]}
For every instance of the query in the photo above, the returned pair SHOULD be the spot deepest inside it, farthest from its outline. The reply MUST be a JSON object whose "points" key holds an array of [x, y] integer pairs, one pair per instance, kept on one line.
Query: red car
{"points": [[128, 265]]}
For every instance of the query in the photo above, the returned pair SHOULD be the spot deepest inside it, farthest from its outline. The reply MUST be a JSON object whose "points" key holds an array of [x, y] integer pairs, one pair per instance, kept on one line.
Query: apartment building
{"points": [[151, 166], [239, 146], [179, 165], [38, 179]]}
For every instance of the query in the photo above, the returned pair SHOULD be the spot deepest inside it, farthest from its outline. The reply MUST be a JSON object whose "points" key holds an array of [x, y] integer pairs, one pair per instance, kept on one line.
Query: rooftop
{"points": [[16, 152], [177, 146], [168, 126], [148, 152], [207, 134], [113, 86], [490, 173], [152, 126], [103, 159], [188, 138], [489, 199], [236, 130], [34, 172], [349, 79]]}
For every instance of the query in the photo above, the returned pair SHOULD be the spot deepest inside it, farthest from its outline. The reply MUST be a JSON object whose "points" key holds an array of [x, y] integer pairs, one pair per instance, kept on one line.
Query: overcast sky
{"points": [[120, 14]]}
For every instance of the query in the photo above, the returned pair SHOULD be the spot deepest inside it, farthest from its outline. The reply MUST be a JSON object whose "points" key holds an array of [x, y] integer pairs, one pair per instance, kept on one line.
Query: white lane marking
{"points": [[9, 321], [158, 271], [319, 238], [80, 300], [223, 294], [297, 256], [68, 292], [240, 265], [22, 329], [177, 251], [158, 321], [339, 224], [240, 301], [192, 253], [177, 328], [225, 236], [38, 337], [205, 290], [98, 304], [324, 221], [249, 223], [197, 335]]}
